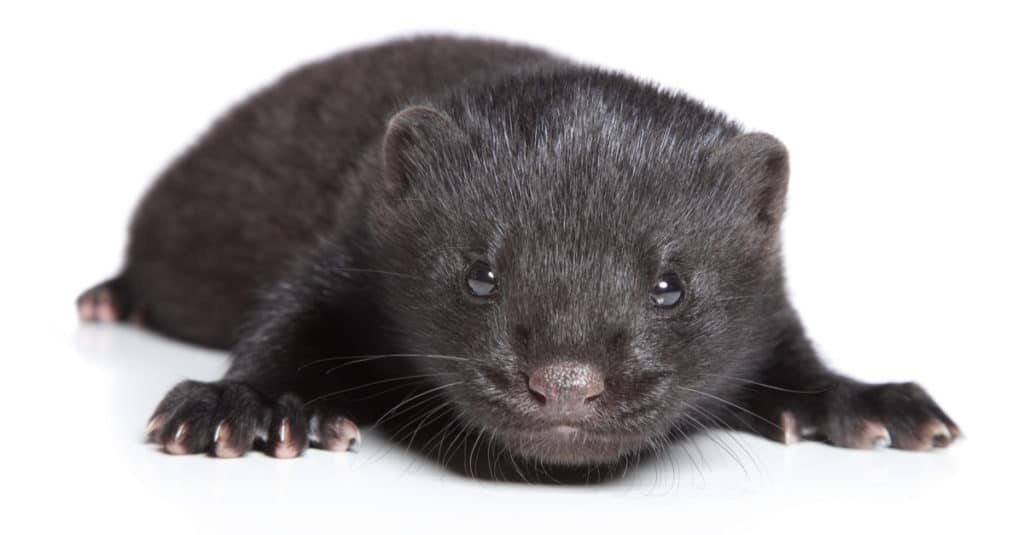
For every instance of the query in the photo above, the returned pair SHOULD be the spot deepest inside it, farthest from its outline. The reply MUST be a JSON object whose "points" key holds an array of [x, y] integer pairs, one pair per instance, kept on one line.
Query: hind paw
{"points": [[228, 419], [107, 303], [98, 305]]}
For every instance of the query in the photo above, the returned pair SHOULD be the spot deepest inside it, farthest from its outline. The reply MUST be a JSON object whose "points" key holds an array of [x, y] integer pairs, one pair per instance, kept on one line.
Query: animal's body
{"points": [[487, 238]]}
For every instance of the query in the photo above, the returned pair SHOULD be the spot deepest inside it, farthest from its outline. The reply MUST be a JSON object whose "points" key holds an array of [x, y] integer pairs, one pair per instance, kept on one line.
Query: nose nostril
{"points": [[565, 388], [594, 391], [536, 389]]}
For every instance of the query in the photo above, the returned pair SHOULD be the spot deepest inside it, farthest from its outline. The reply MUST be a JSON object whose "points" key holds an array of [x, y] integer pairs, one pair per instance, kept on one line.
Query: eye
{"points": [[668, 292], [481, 279]]}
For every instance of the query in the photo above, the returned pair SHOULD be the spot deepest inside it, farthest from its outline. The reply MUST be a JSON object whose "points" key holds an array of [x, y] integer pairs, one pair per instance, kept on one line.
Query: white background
{"points": [[903, 240]]}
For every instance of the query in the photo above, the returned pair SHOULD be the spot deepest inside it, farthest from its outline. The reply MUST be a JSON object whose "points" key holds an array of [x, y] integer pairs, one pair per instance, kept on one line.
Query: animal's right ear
{"points": [[417, 137]]}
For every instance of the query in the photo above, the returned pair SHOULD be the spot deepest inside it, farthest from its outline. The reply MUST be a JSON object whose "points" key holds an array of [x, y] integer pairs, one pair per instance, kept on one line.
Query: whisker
{"points": [[719, 421], [377, 272], [676, 470], [365, 358], [731, 404], [740, 297], [708, 432], [421, 394], [433, 397], [371, 383], [468, 461], [380, 393], [685, 436], [377, 357], [387, 450], [515, 465], [428, 418], [700, 472], [449, 452], [764, 385], [495, 459], [441, 435]]}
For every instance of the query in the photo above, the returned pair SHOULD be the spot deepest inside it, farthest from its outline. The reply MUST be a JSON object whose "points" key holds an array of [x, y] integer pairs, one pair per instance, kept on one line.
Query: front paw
{"points": [[898, 415], [227, 419]]}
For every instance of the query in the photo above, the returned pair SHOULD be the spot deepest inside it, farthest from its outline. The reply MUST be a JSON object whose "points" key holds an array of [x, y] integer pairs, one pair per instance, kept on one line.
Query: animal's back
{"points": [[269, 178]]}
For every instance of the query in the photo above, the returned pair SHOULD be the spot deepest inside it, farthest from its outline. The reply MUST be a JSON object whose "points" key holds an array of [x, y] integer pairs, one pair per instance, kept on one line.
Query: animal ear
{"points": [[756, 167], [416, 136]]}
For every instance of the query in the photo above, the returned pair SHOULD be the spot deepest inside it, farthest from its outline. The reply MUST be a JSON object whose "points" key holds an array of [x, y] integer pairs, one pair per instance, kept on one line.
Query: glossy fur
{"points": [[323, 230]]}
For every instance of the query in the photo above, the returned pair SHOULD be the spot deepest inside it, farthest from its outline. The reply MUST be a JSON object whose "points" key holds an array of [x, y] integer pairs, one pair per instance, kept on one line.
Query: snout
{"points": [[566, 391], [569, 417]]}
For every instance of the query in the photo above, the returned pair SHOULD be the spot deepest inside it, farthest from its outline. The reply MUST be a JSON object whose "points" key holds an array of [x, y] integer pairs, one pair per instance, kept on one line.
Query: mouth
{"points": [[571, 445]]}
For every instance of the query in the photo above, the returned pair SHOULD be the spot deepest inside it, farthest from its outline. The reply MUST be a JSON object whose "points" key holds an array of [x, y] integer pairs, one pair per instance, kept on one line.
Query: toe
{"points": [[155, 426], [241, 415], [98, 305], [176, 443], [286, 444], [873, 435], [929, 435], [106, 312], [184, 418], [87, 309], [224, 443], [338, 433], [788, 428], [861, 434], [287, 437]]}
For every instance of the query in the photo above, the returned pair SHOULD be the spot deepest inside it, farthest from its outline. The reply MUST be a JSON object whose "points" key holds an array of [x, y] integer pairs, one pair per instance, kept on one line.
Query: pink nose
{"points": [[566, 388]]}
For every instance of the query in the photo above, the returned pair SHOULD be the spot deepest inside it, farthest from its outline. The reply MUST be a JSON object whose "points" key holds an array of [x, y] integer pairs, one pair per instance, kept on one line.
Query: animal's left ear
{"points": [[755, 167]]}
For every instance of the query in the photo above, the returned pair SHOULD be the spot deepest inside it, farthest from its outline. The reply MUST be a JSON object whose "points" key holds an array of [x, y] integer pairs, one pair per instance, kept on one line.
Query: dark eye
{"points": [[481, 279], [668, 292]]}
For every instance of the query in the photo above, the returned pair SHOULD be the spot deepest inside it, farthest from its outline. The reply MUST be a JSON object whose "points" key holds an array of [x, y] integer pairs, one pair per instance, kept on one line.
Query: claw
{"points": [[222, 441], [285, 431], [176, 446], [790, 434], [154, 426], [286, 447]]}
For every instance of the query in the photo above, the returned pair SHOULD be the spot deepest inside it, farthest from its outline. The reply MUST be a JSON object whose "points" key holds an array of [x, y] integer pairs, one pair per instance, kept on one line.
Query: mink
{"points": [[484, 244]]}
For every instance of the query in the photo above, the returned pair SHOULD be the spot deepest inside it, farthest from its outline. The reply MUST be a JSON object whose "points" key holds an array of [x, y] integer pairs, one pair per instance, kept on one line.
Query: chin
{"points": [[565, 445]]}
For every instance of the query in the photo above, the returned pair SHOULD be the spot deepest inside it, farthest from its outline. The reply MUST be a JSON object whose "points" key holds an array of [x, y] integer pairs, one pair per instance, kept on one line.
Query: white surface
{"points": [[903, 240]]}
